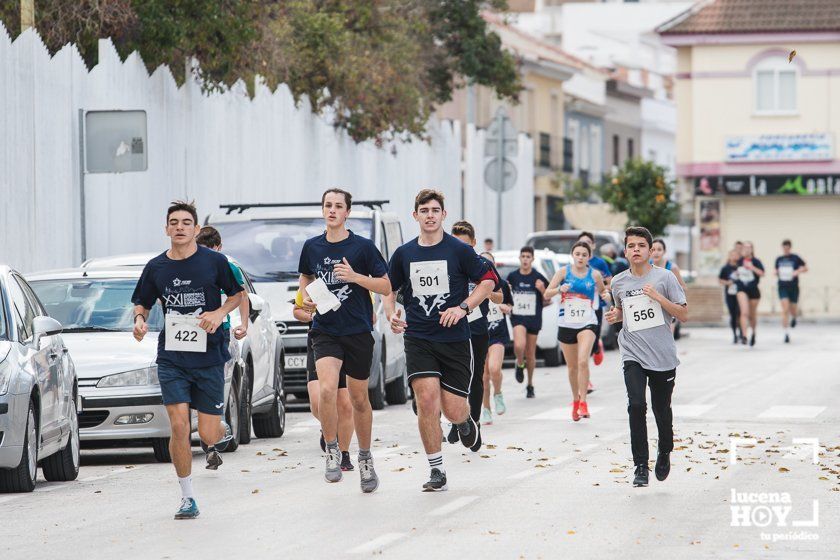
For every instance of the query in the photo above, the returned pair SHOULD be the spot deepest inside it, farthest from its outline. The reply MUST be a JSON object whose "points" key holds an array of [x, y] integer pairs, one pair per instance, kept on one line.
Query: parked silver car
{"points": [[118, 384], [38, 392]]}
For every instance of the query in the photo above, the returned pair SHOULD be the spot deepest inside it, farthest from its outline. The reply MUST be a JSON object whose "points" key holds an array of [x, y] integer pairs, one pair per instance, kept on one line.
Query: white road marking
{"points": [[377, 543], [453, 505], [792, 412], [112, 473], [691, 410], [562, 413], [391, 450]]}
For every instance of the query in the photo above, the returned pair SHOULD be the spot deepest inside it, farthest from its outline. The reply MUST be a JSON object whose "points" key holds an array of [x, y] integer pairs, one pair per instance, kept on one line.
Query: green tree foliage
{"points": [[379, 66], [641, 190]]}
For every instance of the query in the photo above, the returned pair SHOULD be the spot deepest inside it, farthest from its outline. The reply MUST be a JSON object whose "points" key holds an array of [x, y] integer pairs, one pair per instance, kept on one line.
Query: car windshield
{"points": [[562, 245], [269, 250], [93, 305]]}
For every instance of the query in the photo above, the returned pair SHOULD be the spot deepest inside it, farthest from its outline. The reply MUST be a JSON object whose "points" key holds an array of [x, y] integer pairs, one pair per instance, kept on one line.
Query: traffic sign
{"points": [[500, 178]]}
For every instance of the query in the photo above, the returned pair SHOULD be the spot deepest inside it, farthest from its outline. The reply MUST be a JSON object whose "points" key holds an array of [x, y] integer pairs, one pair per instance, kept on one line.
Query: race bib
{"points": [[732, 289], [494, 313], [786, 273], [429, 278], [183, 334], [641, 312], [745, 275], [475, 314], [525, 304], [576, 311]]}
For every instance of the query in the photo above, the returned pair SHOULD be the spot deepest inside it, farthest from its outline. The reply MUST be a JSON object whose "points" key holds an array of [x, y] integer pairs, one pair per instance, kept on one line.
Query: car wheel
{"points": [[377, 393], [271, 424], [553, 356], [397, 390], [245, 407], [22, 477], [64, 465], [232, 414], [161, 448]]}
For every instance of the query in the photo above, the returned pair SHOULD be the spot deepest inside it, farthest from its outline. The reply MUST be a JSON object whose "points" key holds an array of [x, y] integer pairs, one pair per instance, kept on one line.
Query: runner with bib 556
{"points": [[646, 298]]}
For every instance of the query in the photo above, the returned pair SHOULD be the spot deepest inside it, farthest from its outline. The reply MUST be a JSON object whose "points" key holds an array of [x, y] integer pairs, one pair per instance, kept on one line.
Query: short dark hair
{"points": [[463, 227], [659, 240], [348, 198], [583, 244], [527, 249], [787, 243], [209, 236], [588, 234], [488, 240], [638, 231], [427, 195], [182, 206]]}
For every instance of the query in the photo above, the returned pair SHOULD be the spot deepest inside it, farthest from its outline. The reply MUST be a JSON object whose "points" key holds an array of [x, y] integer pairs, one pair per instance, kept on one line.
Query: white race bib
{"points": [[732, 289], [183, 334], [429, 278], [525, 304], [786, 273], [641, 312], [745, 275], [494, 313], [577, 311], [475, 314]]}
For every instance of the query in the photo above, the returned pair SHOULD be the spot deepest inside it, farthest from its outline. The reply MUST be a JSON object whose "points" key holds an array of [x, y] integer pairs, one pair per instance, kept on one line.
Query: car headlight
{"points": [[135, 377]]}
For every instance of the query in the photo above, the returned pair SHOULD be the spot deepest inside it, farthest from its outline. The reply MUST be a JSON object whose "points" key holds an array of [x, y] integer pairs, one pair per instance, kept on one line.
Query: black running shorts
{"points": [[451, 362], [354, 350]]}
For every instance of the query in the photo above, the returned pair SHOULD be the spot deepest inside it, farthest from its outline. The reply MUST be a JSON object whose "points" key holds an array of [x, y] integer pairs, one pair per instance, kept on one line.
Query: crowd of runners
{"points": [[452, 307]]}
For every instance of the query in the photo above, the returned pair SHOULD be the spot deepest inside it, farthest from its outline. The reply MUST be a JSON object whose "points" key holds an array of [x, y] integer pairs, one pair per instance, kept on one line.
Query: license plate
{"points": [[296, 361]]}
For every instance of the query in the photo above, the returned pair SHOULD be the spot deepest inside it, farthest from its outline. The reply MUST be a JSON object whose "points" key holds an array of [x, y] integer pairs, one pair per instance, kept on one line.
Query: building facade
{"points": [[756, 136]]}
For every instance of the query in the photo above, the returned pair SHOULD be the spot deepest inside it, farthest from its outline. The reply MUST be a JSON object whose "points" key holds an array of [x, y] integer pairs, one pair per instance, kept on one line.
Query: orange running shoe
{"points": [[599, 355], [575, 415], [583, 409]]}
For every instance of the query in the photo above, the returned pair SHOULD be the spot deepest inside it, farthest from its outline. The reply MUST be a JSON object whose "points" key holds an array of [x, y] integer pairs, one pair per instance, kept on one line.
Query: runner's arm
{"points": [[676, 270], [497, 297], [554, 286], [600, 285]]}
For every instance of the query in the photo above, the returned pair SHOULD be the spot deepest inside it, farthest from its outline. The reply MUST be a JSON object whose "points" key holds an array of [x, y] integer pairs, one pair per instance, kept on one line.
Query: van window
{"points": [[383, 242], [393, 230]]}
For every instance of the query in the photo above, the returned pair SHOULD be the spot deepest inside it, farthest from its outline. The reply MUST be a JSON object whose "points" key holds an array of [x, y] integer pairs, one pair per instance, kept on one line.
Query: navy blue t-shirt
{"points": [[794, 261], [599, 264], [462, 265], [480, 325], [527, 284], [190, 286], [748, 279], [507, 299], [319, 256]]}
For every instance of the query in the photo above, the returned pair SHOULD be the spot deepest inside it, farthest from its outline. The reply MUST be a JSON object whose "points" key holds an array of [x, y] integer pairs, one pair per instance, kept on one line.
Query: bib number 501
{"points": [[429, 281]]}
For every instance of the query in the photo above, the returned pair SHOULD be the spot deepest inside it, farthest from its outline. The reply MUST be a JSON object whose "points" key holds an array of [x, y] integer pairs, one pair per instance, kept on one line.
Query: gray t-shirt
{"points": [[653, 348]]}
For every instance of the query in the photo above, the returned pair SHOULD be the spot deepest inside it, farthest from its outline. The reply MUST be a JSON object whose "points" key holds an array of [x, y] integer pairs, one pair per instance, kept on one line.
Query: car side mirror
{"points": [[257, 305], [44, 326]]}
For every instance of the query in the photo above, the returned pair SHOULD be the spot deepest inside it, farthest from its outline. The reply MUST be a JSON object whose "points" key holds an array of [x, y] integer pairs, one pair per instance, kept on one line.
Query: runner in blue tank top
{"points": [[579, 285]]}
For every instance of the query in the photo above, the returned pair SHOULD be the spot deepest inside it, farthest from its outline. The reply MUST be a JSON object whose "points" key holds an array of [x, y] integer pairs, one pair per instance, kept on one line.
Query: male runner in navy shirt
{"points": [[788, 268], [192, 349], [433, 271], [528, 286], [351, 267]]}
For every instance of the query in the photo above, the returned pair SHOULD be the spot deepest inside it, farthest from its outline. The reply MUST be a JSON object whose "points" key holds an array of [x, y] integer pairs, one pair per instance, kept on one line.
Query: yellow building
{"points": [[757, 126]]}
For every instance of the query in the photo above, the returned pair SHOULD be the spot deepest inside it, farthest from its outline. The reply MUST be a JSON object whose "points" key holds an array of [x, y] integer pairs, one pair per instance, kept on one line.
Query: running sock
{"points": [[186, 486], [436, 461], [364, 454], [332, 444]]}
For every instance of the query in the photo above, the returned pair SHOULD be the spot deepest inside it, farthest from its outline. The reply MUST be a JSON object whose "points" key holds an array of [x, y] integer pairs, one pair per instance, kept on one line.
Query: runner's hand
{"points": [[210, 321], [140, 328], [651, 292], [397, 324], [613, 316], [239, 332], [344, 272], [505, 308], [540, 285], [451, 316], [606, 295], [309, 305], [565, 288]]}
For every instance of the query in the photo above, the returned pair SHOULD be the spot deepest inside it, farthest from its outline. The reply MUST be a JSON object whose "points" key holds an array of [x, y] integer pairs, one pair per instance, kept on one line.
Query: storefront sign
{"points": [[763, 185], [780, 147]]}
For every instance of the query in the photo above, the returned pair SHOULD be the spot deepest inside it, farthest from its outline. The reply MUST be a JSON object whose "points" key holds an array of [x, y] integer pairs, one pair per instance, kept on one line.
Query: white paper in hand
{"points": [[323, 298]]}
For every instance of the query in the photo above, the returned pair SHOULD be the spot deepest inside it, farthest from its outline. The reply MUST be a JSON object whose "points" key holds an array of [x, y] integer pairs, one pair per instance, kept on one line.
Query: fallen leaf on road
{"points": [[260, 453], [492, 533], [515, 448], [255, 491], [129, 466], [490, 446], [244, 470], [570, 532], [401, 469], [616, 471], [484, 456], [784, 469], [97, 492]]}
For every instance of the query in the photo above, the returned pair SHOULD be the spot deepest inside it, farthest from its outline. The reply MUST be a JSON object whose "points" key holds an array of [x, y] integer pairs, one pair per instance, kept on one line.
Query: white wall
{"points": [[220, 148]]}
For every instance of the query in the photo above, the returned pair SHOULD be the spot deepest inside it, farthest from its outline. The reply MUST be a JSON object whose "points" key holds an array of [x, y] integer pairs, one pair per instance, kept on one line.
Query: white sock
{"points": [[436, 461], [186, 486]]}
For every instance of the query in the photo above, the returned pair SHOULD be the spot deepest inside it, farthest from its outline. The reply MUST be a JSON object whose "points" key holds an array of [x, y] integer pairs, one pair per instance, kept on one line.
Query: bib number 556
{"points": [[643, 315]]}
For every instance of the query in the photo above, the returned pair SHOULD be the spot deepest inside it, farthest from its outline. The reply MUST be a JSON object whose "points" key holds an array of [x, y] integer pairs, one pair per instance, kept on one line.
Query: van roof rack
{"points": [[231, 208]]}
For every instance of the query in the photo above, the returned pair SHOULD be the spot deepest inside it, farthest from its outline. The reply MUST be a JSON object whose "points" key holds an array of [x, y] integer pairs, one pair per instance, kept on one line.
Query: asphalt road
{"points": [[543, 486]]}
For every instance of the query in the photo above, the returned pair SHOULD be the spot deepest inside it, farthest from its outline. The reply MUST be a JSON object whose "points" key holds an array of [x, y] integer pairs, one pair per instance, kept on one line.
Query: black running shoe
{"points": [[641, 476], [346, 465], [793, 323], [735, 339], [437, 482], [529, 392], [663, 465], [520, 374], [477, 445], [214, 459], [468, 432], [752, 340], [323, 443], [453, 436], [744, 340], [787, 338]]}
